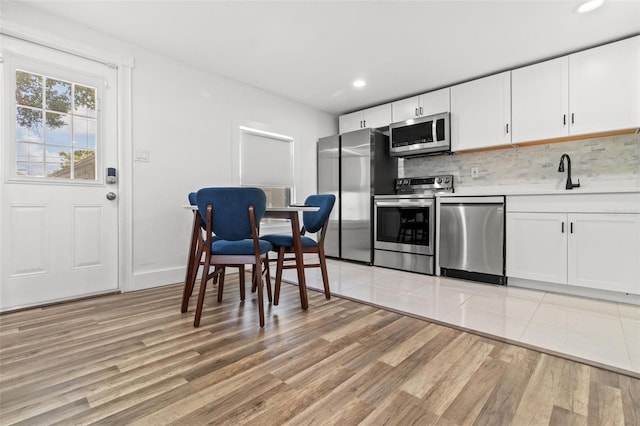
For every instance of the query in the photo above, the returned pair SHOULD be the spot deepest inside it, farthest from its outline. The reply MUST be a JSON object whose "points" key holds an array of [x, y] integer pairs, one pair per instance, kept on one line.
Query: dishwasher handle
{"points": [[471, 200]]}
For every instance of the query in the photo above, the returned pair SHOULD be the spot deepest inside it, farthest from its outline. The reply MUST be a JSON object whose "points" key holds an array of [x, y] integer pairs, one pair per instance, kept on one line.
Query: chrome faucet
{"points": [[569, 184]]}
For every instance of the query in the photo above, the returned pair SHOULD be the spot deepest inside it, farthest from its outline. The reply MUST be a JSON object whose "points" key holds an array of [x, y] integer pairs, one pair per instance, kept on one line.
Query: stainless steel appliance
{"points": [[420, 136], [354, 166], [404, 235], [472, 238]]}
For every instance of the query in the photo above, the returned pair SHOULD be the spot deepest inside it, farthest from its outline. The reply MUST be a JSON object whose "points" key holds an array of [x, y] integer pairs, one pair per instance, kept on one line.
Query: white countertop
{"points": [[603, 187]]}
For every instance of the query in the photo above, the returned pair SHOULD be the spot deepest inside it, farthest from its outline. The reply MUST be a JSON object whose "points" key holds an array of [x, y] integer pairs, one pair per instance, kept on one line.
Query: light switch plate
{"points": [[142, 155]]}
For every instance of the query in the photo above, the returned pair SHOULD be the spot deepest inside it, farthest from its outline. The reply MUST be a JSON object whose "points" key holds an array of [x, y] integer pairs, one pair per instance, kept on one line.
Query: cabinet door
{"points": [[540, 101], [604, 251], [379, 116], [435, 102], [537, 246], [481, 113], [604, 92], [405, 109], [350, 122]]}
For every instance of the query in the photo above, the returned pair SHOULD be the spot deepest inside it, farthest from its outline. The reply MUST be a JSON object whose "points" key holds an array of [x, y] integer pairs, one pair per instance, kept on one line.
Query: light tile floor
{"points": [[606, 333]]}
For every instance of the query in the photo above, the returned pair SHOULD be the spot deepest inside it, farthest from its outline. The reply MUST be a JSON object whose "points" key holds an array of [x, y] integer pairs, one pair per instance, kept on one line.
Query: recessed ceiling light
{"points": [[359, 83], [590, 5]]}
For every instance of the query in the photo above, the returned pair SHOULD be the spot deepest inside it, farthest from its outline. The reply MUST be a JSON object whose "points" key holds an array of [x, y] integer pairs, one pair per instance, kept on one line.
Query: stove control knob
{"points": [[439, 180], [446, 180]]}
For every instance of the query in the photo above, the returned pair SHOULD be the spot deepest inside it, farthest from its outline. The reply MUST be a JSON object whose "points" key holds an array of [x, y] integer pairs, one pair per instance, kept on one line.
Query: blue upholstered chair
{"points": [[313, 222], [192, 270], [231, 217]]}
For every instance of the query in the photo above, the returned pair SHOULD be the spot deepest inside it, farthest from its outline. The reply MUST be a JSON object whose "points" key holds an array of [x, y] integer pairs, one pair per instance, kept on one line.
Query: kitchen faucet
{"points": [[569, 185]]}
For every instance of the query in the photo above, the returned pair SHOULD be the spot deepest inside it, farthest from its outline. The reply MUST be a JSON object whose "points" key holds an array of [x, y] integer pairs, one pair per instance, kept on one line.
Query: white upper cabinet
{"points": [[350, 122], [596, 90], [405, 109], [481, 113], [604, 92], [540, 101], [430, 103], [378, 116]]}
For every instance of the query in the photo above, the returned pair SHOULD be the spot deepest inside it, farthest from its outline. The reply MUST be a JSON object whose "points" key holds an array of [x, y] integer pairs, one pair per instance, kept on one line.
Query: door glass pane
{"points": [[58, 95], [28, 89], [84, 133], [84, 164], [29, 157], [56, 127], [85, 101], [57, 161], [28, 124]]}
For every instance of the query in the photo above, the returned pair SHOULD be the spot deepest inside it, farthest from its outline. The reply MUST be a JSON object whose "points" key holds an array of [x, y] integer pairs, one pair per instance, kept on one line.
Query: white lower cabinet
{"points": [[593, 250], [604, 251], [537, 246]]}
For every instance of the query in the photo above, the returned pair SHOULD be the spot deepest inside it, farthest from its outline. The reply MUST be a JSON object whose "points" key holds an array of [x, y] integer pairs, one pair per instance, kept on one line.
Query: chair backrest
{"points": [[314, 221], [193, 196], [231, 210]]}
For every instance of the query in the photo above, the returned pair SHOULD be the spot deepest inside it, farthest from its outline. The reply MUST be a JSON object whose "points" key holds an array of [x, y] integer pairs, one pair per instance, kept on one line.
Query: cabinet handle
{"points": [[416, 112], [421, 111], [564, 119], [361, 124], [364, 123], [571, 227], [572, 119], [563, 227], [507, 126]]}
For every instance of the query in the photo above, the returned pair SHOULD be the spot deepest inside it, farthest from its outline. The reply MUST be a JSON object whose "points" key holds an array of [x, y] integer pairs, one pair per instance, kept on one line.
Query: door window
{"points": [[56, 128]]}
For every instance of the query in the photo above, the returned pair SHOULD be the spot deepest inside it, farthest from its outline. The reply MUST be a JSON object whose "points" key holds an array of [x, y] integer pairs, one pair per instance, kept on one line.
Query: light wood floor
{"points": [[134, 359]]}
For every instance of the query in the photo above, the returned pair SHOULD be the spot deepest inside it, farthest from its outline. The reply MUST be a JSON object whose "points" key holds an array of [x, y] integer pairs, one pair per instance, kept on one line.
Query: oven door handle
{"points": [[402, 204]]}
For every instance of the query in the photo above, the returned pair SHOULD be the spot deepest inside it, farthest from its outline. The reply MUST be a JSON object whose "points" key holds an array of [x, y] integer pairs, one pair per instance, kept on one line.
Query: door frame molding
{"points": [[124, 65]]}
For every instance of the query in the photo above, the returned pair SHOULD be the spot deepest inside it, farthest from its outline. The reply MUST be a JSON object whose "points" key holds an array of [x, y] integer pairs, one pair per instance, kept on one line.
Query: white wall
{"points": [[186, 118]]}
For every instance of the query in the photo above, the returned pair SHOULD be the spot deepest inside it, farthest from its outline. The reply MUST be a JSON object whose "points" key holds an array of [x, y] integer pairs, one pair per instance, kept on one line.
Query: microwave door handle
{"points": [[434, 130]]}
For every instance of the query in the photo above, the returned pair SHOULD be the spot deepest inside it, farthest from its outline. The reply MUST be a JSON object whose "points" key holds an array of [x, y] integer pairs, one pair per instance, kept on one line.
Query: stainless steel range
{"points": [[404, 231]]}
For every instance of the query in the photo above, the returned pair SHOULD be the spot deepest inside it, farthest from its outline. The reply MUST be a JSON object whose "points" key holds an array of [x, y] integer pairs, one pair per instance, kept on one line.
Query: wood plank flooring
{"points": [[135, 359]]}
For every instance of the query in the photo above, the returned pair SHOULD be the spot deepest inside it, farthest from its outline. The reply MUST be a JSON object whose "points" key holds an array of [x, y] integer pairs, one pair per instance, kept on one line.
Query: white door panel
{"points": [[59, 233]]}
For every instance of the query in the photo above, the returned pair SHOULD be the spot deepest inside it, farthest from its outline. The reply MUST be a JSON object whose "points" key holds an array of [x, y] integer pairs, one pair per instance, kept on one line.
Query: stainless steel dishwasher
{"points": [[472, 239]]}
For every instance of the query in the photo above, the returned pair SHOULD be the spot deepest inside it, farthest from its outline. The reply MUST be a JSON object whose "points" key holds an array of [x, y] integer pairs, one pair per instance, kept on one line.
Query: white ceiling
{"points": [[311, 51]]}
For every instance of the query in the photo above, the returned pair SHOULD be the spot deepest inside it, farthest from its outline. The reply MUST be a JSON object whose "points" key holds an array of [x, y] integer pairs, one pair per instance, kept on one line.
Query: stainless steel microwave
{"points": [[420, 136]]}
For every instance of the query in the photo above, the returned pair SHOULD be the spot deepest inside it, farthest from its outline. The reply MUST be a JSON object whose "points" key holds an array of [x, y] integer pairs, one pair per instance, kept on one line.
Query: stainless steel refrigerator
{"points": [[354, 167]]}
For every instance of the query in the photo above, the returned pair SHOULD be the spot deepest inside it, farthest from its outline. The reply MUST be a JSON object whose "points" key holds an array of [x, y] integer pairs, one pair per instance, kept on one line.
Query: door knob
{"points": [[111, 196]]}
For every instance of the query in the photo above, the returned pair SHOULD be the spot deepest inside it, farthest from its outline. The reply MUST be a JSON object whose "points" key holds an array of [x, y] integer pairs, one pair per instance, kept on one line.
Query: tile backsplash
{"points": [[598, 160]]}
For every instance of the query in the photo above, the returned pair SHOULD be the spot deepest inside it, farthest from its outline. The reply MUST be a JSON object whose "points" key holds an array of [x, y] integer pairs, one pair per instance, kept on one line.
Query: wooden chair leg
{"points": [[253, 278], [220, 286], [267, 275], [192, 273], [279, 267], [325, 275], [203, 288], [196, 265], [241, 273], [260, 298]]}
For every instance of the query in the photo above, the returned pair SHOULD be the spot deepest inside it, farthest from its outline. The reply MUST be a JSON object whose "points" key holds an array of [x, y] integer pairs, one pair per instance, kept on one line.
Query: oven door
{"points": [[404, 225]]}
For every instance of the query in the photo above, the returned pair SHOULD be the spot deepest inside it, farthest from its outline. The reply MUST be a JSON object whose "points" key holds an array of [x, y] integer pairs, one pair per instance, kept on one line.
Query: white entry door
{"points": [[59, 232]]}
